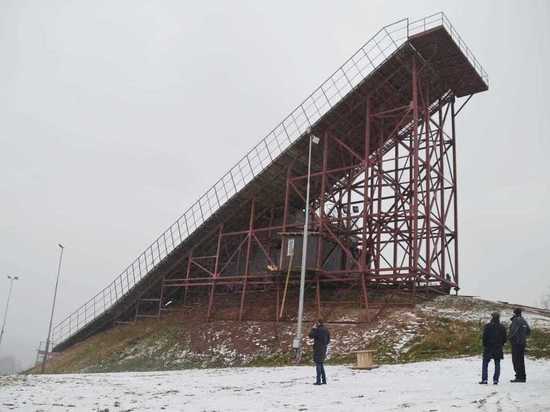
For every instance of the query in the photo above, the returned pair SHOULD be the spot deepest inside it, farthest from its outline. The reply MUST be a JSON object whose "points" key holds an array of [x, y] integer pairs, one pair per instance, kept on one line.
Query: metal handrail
{"points": [[372, 54]]}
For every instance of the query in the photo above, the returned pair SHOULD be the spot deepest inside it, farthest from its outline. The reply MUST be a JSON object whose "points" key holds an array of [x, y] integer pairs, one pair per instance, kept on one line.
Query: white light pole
{"points": [[297, 343], [11, 279], [53, 308]]}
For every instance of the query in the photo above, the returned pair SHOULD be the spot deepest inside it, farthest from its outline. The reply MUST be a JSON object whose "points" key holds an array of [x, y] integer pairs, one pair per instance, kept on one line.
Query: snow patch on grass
{"points": [[469, 309]]}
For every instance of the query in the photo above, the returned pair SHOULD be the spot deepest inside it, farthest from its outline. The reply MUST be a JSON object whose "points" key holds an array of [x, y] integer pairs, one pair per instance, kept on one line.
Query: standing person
{"points": [[519, 330], [494, 338], [321, 338]]}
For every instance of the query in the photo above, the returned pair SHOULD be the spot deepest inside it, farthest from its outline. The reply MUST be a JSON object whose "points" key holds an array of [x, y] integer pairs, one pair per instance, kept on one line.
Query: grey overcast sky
{"points": [[109, 108]]}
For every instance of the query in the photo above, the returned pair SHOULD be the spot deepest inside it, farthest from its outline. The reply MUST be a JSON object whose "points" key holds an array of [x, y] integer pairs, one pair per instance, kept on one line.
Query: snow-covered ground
{"points": [[446, 385]]}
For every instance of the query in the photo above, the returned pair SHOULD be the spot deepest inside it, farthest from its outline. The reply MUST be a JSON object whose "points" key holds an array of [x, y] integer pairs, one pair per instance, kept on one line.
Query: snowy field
{"points": [[448, 385]]}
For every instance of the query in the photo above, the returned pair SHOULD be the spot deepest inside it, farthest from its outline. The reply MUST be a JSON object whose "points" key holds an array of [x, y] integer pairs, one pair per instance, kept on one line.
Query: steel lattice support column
{"points": [[383, 211], [391, 207]]}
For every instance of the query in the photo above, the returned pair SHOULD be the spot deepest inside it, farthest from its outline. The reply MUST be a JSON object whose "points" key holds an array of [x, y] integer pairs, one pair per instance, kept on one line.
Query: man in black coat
{"points": [[494, 338], [519, 331], [321, 338]]}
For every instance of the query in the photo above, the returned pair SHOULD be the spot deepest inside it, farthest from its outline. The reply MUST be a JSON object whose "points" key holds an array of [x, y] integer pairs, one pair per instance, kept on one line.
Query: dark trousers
{"points": [[321, 377], [518, 359], [485, 367]]}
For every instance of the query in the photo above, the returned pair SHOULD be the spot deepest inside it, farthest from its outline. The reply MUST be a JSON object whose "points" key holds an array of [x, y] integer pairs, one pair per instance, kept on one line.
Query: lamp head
{"points": [[315, 139], [60, 245]]}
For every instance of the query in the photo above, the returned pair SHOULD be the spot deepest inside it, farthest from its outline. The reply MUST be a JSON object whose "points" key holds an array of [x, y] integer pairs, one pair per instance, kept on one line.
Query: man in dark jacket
{"points": [[519, 330], [494, 338], [321, 338]]}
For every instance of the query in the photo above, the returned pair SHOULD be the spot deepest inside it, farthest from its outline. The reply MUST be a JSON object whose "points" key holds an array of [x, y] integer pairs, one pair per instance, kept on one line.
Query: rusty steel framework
{"points": [[383, 210]]}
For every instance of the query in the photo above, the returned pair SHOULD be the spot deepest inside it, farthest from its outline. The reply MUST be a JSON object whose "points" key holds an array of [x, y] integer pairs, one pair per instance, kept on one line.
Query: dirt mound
{"points": [[447, 326]]}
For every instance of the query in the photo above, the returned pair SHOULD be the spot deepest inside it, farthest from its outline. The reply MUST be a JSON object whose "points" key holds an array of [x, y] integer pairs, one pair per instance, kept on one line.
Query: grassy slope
{"points": [[446, 327]]}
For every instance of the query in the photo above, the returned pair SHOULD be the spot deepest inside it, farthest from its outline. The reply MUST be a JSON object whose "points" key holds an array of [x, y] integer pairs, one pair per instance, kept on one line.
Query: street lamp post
{"points": [[297, 343], [53, 308], [11, 279]]}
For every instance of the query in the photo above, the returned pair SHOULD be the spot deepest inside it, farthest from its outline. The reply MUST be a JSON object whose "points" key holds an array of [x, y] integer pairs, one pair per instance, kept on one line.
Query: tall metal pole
{"points": [[12, 279], [297, 344], [53, 309]]}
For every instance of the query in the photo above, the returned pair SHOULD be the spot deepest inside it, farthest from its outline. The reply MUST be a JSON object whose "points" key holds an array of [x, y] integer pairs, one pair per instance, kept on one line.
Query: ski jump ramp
{"points": [[383, 193]]}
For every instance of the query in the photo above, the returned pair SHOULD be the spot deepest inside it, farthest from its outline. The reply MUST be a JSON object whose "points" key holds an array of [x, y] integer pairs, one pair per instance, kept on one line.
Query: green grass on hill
{"points": [[538, 345], [445, 338]]}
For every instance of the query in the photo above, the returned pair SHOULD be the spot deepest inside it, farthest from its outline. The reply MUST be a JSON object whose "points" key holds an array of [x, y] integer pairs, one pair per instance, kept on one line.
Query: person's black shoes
{"points": [[483, 382], [495, 382], [518, 380], [317, 383], [323, 383]]}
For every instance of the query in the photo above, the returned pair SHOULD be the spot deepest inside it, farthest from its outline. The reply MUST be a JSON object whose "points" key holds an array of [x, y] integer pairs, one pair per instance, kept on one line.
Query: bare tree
{"points": [[545, 300]]}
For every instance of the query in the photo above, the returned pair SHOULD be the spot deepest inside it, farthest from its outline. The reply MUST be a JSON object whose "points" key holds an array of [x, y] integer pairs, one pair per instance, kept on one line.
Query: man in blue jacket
{"points": [[494, 338], [519, 331], [321, 338]]}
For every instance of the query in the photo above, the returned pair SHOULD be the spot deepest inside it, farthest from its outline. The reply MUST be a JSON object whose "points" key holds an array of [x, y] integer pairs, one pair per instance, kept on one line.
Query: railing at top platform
{"points": [[370, 56]]}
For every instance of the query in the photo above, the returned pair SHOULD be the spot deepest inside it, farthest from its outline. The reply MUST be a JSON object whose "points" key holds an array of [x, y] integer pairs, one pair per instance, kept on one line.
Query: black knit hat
{"points": [[517, 311]]}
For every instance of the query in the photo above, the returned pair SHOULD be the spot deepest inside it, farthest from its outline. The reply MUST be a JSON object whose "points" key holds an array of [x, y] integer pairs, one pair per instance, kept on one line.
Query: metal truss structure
{"points": [[383, 210]]}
